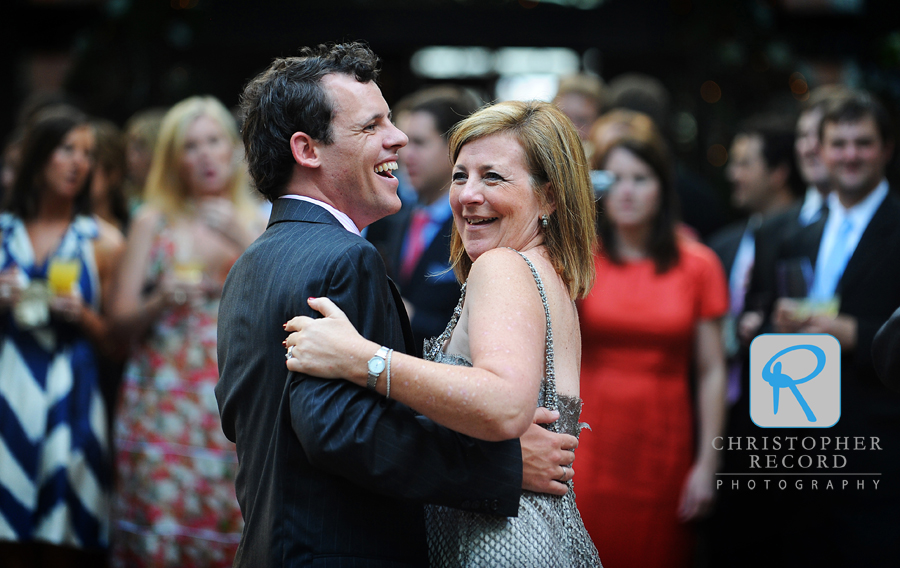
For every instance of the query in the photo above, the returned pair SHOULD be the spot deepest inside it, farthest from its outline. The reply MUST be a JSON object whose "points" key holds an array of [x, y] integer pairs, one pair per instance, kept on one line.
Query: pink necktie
{"points": [[416, 245]]}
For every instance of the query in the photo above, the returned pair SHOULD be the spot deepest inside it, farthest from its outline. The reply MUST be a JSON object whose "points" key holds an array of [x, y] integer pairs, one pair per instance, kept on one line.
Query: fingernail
{"points": [[284, 343], [284, 325], [310, 299]]}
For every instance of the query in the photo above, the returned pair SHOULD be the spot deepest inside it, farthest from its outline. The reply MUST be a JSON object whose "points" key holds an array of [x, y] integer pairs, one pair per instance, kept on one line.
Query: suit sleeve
{"points": [[381, 444], [886, 352]]}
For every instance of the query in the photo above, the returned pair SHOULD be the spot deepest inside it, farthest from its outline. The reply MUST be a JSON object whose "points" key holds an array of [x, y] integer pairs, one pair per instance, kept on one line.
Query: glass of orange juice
{"points": [[187, 268], [62, 275]]}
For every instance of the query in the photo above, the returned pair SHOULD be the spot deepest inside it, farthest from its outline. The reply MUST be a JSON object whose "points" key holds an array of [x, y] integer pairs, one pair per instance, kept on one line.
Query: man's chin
{"points": [[396, 205]]}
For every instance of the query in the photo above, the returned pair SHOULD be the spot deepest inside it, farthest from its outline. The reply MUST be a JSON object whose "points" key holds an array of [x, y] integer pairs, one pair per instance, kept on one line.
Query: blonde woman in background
{"points": [[176, 504]]}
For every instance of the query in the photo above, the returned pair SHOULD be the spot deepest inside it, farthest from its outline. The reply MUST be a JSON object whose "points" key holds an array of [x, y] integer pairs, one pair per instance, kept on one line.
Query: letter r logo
{"points": [[795, 380]]}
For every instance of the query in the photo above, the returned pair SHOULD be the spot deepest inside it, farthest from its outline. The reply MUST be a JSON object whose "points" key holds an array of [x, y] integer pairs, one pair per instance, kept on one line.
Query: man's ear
{"points": [[305, 150]]}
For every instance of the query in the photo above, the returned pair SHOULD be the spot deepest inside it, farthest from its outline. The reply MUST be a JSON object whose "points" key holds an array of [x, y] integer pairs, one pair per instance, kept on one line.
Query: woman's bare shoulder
{"points": [[110, 240]]}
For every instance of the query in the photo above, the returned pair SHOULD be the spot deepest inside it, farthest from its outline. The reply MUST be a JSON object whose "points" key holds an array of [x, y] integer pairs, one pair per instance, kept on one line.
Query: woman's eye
{"points": [[493, 176]]}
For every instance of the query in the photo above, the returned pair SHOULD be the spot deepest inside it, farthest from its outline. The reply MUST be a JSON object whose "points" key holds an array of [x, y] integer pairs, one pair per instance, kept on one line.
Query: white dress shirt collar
{"points": [[342, 217]]}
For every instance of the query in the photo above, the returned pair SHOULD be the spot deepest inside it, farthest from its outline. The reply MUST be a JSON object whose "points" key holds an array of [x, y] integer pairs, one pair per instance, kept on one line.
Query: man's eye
{"points": [[370, 127]]}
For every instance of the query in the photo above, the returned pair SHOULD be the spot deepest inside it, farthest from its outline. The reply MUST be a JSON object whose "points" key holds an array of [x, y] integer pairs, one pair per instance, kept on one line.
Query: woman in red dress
{"points": [[654, 312]]}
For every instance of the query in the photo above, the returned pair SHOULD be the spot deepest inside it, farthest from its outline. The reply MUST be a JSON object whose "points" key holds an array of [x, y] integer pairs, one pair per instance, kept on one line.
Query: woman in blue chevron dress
{"points": [[55, 264]]}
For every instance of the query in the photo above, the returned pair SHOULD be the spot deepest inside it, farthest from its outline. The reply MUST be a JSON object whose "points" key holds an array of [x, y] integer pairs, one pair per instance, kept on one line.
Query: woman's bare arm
{"points": [[493, 400], [699, 493]]}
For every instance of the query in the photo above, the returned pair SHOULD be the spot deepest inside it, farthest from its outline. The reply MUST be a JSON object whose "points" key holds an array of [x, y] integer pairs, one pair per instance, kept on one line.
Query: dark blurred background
{"points": [[722, 60]]}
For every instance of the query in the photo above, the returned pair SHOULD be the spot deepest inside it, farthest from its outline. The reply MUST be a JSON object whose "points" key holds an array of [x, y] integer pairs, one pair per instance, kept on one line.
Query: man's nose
{"points": [[395, 138]]}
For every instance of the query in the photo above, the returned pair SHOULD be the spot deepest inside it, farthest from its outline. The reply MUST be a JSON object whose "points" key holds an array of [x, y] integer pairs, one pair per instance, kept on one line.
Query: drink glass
{"points": [[62, 275]]}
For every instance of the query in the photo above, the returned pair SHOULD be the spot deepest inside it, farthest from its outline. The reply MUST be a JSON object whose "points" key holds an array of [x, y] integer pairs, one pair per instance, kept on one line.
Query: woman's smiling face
{"points": [[494, 203]]}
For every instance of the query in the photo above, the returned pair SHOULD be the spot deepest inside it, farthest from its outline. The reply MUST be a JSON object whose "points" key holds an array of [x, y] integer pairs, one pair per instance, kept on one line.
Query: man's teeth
{"points": [[385, 167], [480, 221]]}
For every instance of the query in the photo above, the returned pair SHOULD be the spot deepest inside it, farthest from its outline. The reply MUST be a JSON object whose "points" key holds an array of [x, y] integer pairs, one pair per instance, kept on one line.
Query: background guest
{"points": [[700, 208], [108, 181], [56, 264], [176, 504], [765, 183], [654, 311], [853, 251], [141, 132], [581, 97]]}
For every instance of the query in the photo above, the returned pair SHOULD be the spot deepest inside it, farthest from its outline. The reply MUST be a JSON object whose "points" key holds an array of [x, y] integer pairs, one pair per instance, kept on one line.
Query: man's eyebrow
{"points": [[376, 116]]}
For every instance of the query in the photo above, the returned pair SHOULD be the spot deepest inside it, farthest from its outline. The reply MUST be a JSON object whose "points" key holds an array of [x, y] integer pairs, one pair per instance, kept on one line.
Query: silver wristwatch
{"points": [[376, 366]]}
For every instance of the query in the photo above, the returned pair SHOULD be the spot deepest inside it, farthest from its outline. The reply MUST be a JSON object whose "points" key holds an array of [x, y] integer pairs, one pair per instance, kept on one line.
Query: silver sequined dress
{"points": [[548, 530]]}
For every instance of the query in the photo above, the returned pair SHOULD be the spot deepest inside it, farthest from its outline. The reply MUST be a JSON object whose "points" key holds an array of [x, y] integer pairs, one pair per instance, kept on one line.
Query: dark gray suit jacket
{"points": [[855, 524], [331, 474]]}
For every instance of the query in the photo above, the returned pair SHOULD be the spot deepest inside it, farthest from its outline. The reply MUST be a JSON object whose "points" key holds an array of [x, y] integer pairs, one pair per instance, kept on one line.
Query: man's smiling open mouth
{"points": [[384, 170]]}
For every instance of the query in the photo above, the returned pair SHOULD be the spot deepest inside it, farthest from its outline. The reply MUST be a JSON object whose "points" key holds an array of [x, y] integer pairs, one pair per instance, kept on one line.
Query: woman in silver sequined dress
{"points": [[523, 236]]}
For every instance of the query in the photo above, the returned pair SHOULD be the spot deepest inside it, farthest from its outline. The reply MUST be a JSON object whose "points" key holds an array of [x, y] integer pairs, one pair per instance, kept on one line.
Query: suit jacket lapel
{"points": [[885, 217], [408, 337], [805, 241]]}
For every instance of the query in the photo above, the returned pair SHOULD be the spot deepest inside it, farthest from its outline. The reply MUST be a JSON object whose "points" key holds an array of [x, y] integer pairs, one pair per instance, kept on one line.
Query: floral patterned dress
{"points": [[176, 503]]}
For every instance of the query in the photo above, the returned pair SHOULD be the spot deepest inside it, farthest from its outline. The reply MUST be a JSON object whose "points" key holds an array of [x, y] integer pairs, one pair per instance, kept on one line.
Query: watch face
{"points": [[376, 365]]}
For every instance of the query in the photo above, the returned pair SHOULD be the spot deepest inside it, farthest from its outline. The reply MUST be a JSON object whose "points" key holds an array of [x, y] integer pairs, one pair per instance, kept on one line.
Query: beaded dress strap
{"points": [[548, 397]]}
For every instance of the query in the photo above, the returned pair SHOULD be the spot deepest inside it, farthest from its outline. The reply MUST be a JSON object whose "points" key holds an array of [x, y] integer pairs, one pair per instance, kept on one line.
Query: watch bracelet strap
{"points": [[387, 393]]}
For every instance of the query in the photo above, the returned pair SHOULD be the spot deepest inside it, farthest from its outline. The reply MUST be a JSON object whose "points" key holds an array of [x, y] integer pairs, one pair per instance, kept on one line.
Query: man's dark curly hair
{"points": [[288, 97]]}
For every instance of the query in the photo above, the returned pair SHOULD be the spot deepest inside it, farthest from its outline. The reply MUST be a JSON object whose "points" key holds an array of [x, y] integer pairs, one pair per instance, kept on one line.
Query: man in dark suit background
{"points": [[331, 474], [763, 172], [854, 252], [766, 279], [415, 242], [765, 182]]}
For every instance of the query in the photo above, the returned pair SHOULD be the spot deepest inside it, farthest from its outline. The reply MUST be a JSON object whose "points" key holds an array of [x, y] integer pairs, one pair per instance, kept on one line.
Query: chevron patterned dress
{"points": [[54, 464]]}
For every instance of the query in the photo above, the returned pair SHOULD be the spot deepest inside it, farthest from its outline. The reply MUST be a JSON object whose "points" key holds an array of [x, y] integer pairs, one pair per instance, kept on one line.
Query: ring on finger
{"points": [[290, 353], [562, 478]]}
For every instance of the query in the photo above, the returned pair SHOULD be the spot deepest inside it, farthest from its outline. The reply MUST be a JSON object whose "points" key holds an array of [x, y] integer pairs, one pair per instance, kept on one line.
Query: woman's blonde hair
{"points": [[556, 161], [165, 187]]}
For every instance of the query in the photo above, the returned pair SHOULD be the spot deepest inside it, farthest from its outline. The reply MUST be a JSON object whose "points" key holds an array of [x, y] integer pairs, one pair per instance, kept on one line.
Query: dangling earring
{"points": [[544, 221]]}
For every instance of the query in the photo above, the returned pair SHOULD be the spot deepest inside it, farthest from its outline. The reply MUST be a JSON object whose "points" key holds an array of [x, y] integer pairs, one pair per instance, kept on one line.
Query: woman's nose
{"points": [[471, 192]]}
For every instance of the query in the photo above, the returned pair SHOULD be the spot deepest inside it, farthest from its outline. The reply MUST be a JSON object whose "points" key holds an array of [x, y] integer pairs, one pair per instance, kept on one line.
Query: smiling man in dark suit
{"points": [[855, 252], [331, 474]]}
